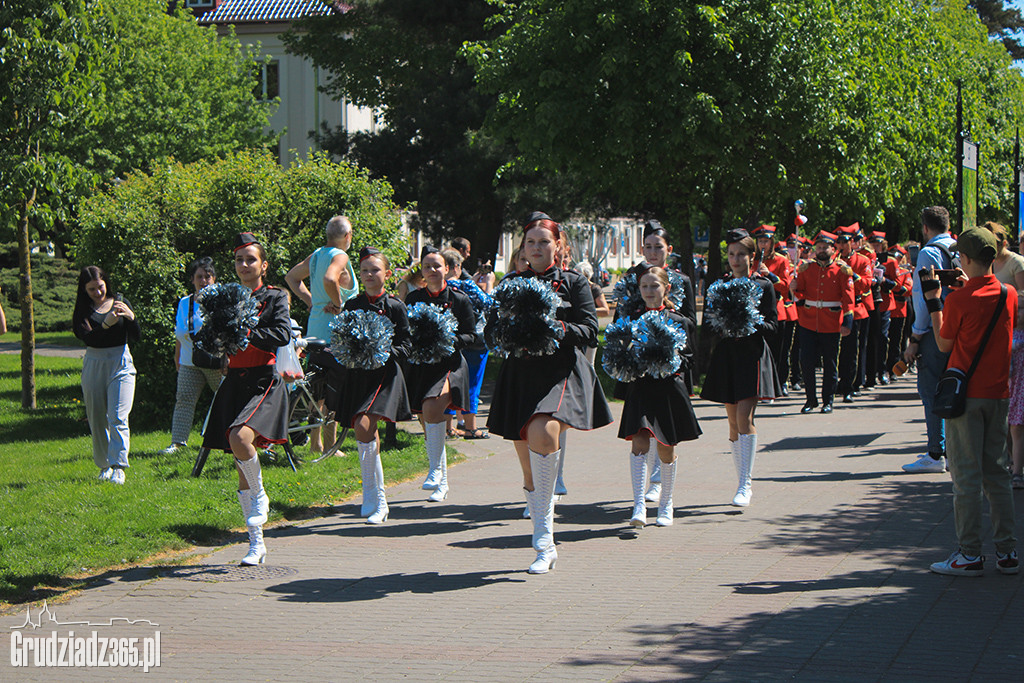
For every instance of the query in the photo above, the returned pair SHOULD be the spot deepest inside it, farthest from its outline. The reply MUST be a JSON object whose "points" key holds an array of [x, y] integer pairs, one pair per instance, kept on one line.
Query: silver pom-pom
{"points": [[361, 340], [730, 307], [432, 329], [229, 311], [522, 320]]}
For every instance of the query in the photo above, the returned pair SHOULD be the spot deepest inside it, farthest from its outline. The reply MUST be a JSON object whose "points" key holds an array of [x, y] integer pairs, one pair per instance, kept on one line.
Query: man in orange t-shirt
{"points": [[975, 440]]}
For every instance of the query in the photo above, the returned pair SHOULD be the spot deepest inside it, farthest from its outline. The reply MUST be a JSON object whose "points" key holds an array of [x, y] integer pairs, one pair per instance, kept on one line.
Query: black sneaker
{"points": [[1007, 564]]}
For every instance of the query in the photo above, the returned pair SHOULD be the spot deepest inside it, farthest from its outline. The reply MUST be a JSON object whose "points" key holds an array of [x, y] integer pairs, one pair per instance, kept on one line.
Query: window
{"points": [[268, 85], [200, 3]]}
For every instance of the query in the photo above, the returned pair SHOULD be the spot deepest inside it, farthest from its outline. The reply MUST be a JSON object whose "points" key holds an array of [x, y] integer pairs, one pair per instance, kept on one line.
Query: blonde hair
{"points": [[662, 276]]}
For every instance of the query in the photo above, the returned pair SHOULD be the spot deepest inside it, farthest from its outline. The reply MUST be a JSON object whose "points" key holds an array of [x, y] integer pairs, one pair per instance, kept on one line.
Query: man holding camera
{"points": [[975, 326], [937, 254]]}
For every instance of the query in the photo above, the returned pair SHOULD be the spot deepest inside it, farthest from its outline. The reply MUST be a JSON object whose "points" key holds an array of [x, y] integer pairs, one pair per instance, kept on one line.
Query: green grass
{"points": [[61, 526], [54, 338]]}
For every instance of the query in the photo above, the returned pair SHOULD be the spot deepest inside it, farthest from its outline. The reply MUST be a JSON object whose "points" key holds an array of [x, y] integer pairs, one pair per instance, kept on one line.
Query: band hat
{"points": [[877, 237], [428, 250], [977, 243], [845, 233], [367, 252], [763, 231], [826, 237], [735, 235], [244, 239]]}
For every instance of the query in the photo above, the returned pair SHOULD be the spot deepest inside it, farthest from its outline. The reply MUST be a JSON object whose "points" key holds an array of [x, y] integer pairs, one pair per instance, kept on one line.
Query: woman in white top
{"points": [[191, 376]]}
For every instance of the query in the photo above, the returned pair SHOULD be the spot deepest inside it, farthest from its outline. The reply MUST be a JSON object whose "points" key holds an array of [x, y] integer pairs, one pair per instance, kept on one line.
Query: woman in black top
{"points": [[435, 387], [741, 370], [250, 409], [537, 398], [107, 325]]}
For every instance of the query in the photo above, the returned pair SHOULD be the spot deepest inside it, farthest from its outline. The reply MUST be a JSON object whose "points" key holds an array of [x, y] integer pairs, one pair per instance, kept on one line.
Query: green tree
{"points": [[1003, 23], [47, 54], [145, 230], [402, 58]]}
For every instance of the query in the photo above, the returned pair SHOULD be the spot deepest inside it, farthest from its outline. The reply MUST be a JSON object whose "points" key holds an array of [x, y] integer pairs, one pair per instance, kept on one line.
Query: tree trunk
{"points": [[28, 327], [716, 218]]}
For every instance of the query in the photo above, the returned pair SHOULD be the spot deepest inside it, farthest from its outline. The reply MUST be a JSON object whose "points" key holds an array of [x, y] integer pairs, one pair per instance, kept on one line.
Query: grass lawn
{"points": [[59, 525], [55, 338]]}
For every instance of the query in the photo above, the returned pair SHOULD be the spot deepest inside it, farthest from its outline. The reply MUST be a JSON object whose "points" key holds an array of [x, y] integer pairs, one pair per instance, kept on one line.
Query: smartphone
{"points": [[119, 297], [948, 278]]}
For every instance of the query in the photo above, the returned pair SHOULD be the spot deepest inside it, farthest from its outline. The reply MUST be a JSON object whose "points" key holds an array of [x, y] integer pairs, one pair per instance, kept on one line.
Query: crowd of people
{"points": [[844, 302]]}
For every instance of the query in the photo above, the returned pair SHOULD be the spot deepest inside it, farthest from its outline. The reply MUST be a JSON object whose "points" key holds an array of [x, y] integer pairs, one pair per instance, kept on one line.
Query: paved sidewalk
{"points": [[824, 577]]}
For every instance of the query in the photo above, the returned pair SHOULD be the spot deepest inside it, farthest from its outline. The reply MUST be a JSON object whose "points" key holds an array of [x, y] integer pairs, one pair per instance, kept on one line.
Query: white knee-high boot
{"points": [[260, 508], [257, 551], [373, 471], [433, 434], [560, 489], [746, 445], [668, 483], [654, 467], [542, 510], [367, 473], [441, 492], [638, 477]]}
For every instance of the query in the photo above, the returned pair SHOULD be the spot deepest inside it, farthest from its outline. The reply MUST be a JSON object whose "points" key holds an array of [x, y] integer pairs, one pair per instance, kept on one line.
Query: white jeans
{"points": [[108, 388]]}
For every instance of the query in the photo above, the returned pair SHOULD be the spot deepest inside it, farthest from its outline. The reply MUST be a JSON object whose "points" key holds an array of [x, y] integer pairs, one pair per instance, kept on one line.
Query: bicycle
{"points": [[304, 412]]}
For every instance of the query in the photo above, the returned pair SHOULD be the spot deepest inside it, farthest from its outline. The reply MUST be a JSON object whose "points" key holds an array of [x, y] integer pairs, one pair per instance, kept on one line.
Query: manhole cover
{"points": [[227, 572]]}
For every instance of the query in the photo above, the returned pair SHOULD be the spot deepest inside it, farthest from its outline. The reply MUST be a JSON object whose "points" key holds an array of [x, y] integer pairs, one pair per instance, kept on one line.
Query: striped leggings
{"points": [[190, 385]]}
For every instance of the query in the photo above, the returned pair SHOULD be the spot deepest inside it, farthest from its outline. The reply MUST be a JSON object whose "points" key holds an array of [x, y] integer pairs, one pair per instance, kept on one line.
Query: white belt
{"points": [[822, 304]]}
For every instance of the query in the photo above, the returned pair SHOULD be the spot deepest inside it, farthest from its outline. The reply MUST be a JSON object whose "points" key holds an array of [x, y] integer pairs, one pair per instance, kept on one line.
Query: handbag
{"points": [[951, 391], [200, 358]]}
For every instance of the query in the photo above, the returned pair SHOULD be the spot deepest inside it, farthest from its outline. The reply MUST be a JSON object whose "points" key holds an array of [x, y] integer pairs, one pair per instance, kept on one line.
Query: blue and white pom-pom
{"points": [[361, 340], [229, 311], [659, 344], [432, 329], [619, 358], [730, 307], [521, 321], [627, 292], [677, 294], [480, 300]]}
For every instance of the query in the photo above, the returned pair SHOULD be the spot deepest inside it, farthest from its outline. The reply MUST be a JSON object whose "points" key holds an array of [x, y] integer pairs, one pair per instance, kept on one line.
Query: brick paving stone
{"points": [[824, 577]]}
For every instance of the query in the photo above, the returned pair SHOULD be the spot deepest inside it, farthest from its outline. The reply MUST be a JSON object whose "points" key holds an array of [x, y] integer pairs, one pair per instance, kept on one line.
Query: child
{"points": [[367, 396], [657, 407], [741, 369], [433, 387], [975, 440]]}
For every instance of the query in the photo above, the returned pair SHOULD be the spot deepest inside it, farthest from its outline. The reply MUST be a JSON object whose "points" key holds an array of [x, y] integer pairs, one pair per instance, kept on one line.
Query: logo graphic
{"points": [[56, 650]]}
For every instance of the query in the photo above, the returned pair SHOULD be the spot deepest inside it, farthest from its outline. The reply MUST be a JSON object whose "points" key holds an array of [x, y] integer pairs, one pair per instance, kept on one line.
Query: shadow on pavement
{"points": [[377, 587]]}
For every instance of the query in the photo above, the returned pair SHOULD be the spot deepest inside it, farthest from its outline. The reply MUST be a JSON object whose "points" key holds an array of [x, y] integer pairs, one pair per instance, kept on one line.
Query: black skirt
{"points": [[378, 392], [427, 381], [255, 397], [563, 385], [661, 407], [739, 369]]}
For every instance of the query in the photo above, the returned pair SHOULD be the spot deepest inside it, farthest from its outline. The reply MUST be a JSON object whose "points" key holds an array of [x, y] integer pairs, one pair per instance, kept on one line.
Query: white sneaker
{"points": [[117, 477], [172, 449], [106, 473], [926, 464]]}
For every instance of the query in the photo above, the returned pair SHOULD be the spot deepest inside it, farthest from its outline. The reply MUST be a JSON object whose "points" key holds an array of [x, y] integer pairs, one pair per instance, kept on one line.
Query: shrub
{"points": [[146, 230], [54, 282]]}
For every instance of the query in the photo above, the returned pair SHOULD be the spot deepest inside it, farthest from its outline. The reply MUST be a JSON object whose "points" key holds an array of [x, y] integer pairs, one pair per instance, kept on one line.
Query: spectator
{"points": [[107, 325], [975, 446], [936, 253], [1008, 266], [461, 245], [195, 367], [3, 318], [332, 282], [483, 277]]}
